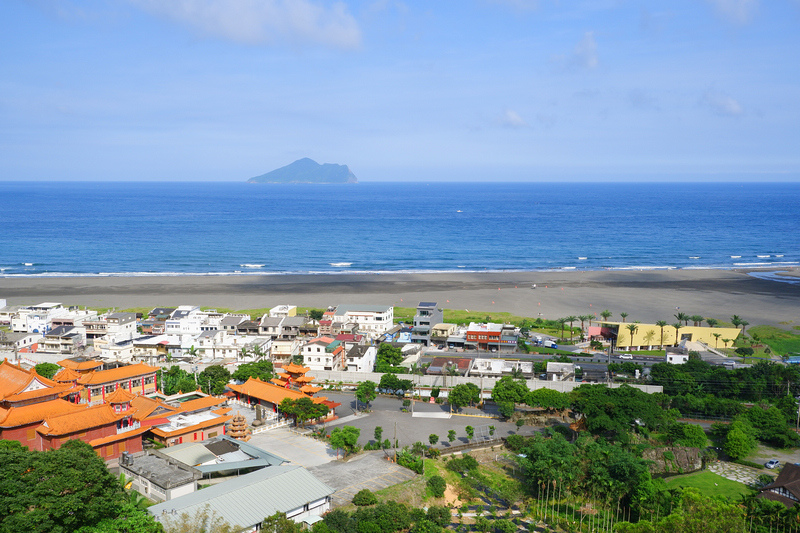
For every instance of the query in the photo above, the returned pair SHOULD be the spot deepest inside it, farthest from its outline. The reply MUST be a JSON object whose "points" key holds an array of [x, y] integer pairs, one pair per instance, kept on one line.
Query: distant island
{"points": [[307, 171]]}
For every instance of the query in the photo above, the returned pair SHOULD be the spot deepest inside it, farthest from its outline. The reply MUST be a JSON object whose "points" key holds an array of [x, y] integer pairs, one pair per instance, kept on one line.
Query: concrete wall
{"points": [[450, 381]]}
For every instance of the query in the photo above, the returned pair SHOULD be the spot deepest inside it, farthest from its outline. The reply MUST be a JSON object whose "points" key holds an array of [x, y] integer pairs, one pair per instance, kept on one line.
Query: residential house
{"points": [[786, 487], [62, 340], [230, 322], [496, 368], [428, 315], [185, 320], [492, 337], [441, 332], [372, 320], [323, 353], [37, 318], [361, 358], [22, 342], [284, 351]]}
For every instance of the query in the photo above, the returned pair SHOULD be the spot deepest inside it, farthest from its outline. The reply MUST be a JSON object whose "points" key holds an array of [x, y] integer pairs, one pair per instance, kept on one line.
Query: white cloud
{"points": [[722, 103], [736, 11], [511, 119], [585, 53], [263, 21]]}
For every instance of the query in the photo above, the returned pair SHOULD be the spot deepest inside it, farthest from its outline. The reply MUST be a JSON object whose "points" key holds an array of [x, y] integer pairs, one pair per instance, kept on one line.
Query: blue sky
{"points": [[418, 90]]}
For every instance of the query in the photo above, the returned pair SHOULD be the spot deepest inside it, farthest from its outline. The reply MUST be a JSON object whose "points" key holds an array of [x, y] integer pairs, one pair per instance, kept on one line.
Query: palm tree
{"points": [[725, 342], [661, 324], [633, 328], [682, 317], [736, 321], [606, 314], [571, 319], [716, 339], [677, 326], [744, 324], [562, 321], [712, 322], [624, 316], [584, 318], [696, 319]]}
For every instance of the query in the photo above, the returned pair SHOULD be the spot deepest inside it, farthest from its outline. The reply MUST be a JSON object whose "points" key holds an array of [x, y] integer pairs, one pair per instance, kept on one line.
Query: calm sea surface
{"points": [[237, 228]]}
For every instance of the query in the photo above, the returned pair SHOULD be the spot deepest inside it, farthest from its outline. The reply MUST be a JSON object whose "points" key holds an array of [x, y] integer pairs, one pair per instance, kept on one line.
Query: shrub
{"points": [[744, 351], [437, 486], [364, 497], [515, 442]]}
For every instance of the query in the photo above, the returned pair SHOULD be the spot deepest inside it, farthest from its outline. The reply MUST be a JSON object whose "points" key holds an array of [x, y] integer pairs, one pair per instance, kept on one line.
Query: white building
{"points": [[185, 320], [37, 318], [283, 311], [361, 358], [372, 320], [323, 353]]}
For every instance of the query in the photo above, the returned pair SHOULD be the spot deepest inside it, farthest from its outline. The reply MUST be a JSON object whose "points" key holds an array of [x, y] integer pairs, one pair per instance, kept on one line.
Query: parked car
{"points": [[626, 356], [772, 463]]}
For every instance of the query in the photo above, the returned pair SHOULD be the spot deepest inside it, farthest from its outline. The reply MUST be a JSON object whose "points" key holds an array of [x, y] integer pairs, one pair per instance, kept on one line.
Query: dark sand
{"points": [[647, 296]]}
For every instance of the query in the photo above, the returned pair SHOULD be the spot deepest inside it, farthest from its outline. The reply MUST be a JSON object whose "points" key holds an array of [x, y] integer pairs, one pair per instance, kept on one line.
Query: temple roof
{"points": [[269, 392], [119, 396], [17, 384], [32, 413], [295, 369], [80, 365], [116, 374], [66, 374], [86, 418]]}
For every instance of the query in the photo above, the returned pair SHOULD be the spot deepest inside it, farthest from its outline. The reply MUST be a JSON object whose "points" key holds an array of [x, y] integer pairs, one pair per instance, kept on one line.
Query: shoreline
{"points": [[647, 295]]}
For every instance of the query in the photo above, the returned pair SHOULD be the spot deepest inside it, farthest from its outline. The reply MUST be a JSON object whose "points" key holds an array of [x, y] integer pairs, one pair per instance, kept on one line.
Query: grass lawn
{"points": [[780, 340], [709, 484]]}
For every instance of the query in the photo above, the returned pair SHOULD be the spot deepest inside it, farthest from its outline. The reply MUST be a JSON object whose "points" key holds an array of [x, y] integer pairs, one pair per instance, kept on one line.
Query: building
{"points": [[246, 500], [37, 318], [323, 353], [221, 456], [21, 342], [441, 332], [62, 340], [361, 358], [648, 336], [158, 478], [114, 328], [372, 320], [283, 311], [138, 378], [428, 315], [786, 487], [496, 368], [492, 337]]}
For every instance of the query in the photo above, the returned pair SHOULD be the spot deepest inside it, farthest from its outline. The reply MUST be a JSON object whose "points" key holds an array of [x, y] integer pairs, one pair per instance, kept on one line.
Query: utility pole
{"points": [[395, 441]]}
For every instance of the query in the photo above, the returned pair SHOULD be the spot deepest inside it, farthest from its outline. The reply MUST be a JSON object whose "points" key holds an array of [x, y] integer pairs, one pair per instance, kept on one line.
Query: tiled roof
{"points": [[116, 437], [310, 389], [29, 414], [14, 379], [116, 374], [201, 403], [295, 369], [66, 374], [269, 392], [80, 365], [145, 407], [73, 422], [119, 396]]}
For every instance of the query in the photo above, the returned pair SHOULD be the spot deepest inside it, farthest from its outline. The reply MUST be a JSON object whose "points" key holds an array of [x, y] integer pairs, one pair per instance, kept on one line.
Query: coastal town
{"points": [[180, 397]]}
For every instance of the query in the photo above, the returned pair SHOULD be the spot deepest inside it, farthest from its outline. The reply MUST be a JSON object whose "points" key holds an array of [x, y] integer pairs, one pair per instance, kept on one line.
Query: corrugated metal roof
{"points": [[247, 500]]}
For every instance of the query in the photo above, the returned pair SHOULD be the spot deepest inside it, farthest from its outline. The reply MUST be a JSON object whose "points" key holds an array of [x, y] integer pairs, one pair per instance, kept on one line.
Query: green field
{"points": [[709, 484], [780, 340]]}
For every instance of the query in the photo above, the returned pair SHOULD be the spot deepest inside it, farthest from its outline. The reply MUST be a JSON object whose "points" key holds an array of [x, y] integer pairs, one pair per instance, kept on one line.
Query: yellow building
{"points": [[649, 336]]}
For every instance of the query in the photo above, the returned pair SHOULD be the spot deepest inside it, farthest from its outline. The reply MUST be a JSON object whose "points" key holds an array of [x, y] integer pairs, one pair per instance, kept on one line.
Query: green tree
{"points": [[470, 432], [716, 339], [57, 491], [262, 370], [677, 326], [345, 438], [451, 435], [378, 433], [737, 444], [437, 486], [278, 523], [661, 324], [364, 497], [606, 314], [682, 317], [215, 376], [508, 389], [433, 438], [696, 319], [303, 409], [571, 319], [624, 316], [464, 394], [365, 392], [632, 328], [712, 322], [315, 314], [47, 370]]}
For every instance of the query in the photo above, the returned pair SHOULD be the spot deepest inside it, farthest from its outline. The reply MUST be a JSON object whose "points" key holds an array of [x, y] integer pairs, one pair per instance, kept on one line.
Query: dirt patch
{"points": [[451, 497]]}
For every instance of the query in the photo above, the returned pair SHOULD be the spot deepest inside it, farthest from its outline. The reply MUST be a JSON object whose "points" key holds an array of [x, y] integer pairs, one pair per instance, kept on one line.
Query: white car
{"points": [[626, 356], [772, 463]]}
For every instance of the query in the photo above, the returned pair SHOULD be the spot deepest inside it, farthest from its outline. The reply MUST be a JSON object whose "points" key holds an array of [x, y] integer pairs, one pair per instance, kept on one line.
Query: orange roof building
{"points": [[257, 392], [80, 366], [138, 378], [20, 387]]}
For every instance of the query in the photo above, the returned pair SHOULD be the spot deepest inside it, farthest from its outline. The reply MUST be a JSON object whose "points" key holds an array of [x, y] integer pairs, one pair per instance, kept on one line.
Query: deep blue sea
{"points": [[80, 228]]}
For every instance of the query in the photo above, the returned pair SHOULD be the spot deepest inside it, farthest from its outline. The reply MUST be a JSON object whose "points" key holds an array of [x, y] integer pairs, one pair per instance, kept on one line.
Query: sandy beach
{"points": [[647, 296]]}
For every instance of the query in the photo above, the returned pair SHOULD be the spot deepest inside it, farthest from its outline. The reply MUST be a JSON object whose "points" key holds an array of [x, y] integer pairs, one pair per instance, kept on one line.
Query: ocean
{"points": [[171, 228]]}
